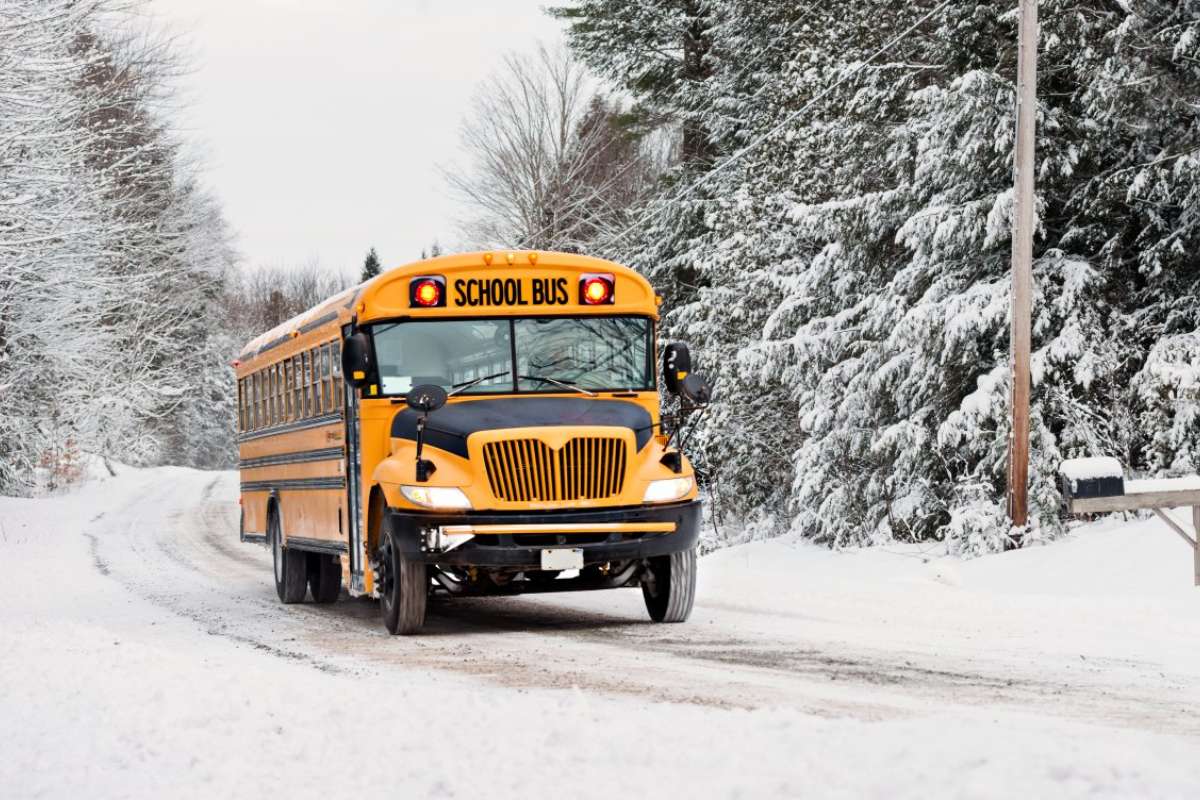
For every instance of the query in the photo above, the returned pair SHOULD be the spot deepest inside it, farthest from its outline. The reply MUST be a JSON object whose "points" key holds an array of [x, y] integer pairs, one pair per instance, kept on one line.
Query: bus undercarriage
{"points": [[516, 553]]}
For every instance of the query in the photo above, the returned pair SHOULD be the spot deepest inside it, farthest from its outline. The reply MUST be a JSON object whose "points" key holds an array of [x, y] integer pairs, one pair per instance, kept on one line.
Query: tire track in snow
{"points": [[177, 547], [140, 568]]}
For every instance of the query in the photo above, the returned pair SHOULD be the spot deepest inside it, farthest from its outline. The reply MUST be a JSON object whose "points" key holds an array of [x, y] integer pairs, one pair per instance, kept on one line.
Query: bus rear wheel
{"points": [[324, 577], [291, 575], [403, 586], [669, 586]]}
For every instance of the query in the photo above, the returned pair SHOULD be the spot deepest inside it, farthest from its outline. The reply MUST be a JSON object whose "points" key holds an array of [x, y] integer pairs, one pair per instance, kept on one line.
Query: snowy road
{"points": [[143, 650]]}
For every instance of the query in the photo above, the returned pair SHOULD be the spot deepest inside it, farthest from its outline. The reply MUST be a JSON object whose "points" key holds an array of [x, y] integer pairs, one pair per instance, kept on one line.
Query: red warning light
{"points": [[427, 291], [596, 290]]}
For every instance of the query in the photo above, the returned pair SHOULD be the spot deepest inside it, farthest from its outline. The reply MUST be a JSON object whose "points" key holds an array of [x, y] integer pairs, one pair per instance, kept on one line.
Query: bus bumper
{"points": [[516, 540]]}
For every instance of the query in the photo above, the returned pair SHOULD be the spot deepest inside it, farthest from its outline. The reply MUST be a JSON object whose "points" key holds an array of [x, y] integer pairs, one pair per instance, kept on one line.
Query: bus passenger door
{"points": [[353, 488]]}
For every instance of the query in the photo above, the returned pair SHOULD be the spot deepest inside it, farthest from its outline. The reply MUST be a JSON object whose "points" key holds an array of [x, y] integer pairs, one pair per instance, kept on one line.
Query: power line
{"points": [[778, 127]]}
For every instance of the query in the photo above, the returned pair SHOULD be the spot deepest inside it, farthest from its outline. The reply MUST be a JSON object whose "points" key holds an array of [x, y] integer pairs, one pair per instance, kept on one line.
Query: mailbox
{"points": [[1092, 477]]}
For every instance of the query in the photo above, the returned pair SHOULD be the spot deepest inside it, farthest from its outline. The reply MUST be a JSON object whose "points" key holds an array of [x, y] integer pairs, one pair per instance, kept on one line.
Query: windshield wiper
{"points": [[563, 384], [462, 387]]}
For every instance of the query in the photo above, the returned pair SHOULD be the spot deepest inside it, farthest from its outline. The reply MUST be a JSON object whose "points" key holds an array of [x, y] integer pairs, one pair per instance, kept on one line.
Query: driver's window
{"points": [[445, 353]]}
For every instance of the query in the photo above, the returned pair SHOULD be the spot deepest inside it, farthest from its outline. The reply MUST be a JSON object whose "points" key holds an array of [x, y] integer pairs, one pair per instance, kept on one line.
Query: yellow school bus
{"points": [[474, 424]]}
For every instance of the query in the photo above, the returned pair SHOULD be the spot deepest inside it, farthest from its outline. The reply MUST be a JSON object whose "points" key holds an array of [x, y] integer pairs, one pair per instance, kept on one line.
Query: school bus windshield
{"points": [[593, 353]]}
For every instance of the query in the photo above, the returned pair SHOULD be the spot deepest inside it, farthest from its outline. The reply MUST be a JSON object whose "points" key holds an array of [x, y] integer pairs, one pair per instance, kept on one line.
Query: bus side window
{"points": [[271, 395], [335, 358], [326, 386], [280, 397], [241, 427], [277, 393], [308, 398], [294, 385], [262, 399], [323, 376], [293, 399], [317, 405], [269, 386], [286, 388], [314, 386], [306, 380], [253, 401], [318, 400]]}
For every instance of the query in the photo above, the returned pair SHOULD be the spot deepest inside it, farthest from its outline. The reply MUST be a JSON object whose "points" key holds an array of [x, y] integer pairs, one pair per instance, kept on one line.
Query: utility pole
{"points": [[1022, 263]]}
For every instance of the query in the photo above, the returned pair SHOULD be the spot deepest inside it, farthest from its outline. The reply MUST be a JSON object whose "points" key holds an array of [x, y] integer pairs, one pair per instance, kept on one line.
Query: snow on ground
{"points": [[142, 652]]}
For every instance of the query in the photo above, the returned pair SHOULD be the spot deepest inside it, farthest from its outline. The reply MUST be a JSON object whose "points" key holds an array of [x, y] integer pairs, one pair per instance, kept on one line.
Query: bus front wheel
{"points": [[669, 586], [291, 575], [403, 586]]}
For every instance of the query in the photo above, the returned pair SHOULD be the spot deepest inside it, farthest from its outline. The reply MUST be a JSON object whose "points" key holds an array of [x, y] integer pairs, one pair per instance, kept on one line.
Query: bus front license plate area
{"points": [[562, 559]]}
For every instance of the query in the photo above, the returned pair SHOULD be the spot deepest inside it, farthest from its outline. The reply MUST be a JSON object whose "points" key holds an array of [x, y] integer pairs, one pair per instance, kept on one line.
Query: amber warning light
{"points": [[427, 291], [596, 290]]}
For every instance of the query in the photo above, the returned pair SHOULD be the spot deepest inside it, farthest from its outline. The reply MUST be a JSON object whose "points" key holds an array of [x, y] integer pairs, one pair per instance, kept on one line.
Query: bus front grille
{"points": [[585, 468]]}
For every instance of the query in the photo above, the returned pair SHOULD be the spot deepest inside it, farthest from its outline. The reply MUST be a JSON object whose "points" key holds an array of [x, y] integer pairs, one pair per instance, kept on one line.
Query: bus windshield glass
{"points": [[592, 353]]}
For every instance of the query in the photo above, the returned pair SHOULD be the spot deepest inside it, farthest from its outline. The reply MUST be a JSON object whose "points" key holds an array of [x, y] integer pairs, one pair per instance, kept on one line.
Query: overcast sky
{"points": [[322, 123]]}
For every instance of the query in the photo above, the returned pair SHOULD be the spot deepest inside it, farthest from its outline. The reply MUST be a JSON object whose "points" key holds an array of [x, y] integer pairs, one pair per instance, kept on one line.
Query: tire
{"points": [[324, 577], [669, 586], [404, 586], [291, 573]]}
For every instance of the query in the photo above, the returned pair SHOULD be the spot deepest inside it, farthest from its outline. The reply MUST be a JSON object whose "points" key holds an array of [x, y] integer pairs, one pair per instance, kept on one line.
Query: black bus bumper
{"points": [[524, 550]]}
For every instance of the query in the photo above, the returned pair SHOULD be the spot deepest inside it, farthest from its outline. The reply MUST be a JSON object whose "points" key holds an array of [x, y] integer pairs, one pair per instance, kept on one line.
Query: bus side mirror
{"points": [[695, 390], [356, 359], [677, 363], [427, 397]]}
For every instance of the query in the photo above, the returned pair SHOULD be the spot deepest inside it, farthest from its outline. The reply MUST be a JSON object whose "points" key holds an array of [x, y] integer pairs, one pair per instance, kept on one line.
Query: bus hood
{"points": [[449, 427]]}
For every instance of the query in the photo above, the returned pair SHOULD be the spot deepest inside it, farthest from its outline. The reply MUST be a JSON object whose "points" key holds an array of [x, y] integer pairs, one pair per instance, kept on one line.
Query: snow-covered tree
{"points": [[111, 260], [550, 165], [850, 268]]}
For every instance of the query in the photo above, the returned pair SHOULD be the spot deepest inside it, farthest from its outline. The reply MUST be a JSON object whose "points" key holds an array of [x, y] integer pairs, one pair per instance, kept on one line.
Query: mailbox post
{"points": [[1098, 486]]}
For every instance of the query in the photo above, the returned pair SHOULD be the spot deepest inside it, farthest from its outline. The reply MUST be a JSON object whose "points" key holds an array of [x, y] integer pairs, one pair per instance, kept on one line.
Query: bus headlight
{"points": [[668, 489], [436, 496]]}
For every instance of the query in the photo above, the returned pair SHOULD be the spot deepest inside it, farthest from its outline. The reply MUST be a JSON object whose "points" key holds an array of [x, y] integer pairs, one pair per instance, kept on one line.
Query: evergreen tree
{"points": [[370, 266], [850, 288], [658, 50], [661, 52]]}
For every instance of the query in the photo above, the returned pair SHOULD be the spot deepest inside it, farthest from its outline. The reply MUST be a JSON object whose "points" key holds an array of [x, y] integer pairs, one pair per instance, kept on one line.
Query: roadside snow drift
{"points": [[142, 652]]}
